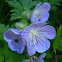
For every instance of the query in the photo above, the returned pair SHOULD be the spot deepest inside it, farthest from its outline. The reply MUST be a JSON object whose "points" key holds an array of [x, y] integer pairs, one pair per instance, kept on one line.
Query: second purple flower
{"points": [[40, 12]]}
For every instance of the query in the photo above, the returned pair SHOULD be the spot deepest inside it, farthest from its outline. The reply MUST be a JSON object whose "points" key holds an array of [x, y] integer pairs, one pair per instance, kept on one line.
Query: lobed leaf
{"points": [[15, 16], [15, 4], [28, 4]]}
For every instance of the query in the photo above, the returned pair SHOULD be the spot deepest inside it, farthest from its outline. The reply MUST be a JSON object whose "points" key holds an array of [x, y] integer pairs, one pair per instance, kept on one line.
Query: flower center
{"points": [[36, 12], [34, 37], [32, 32], [17, 40]]}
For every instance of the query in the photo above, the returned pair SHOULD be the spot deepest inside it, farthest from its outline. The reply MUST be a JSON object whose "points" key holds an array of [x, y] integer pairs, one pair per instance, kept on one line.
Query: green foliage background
{"points": [[10, 12]]}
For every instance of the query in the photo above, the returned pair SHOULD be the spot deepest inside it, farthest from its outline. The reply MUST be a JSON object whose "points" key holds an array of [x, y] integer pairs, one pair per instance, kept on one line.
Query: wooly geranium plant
{"points": [[32, 30]]}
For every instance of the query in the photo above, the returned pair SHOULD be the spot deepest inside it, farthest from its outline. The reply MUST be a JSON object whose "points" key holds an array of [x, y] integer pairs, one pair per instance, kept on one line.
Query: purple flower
{"points": [[40, 58], [37, 36], [40, 12], [15, 43], [35, 59]]}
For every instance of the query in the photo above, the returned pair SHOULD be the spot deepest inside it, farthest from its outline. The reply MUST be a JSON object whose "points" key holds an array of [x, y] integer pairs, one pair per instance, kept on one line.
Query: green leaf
{"points": [[3, 44], [21, 25], [15, 4], [28, 3], [60, 45], [24, 20], [3, 28], [54, 1], [15, 16], [53, 7], [48, 55], [59, 58], [19, 6], [54, 4], [1, 55], [56, 41], [60, 0], [16, 9], [13, 56]]}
